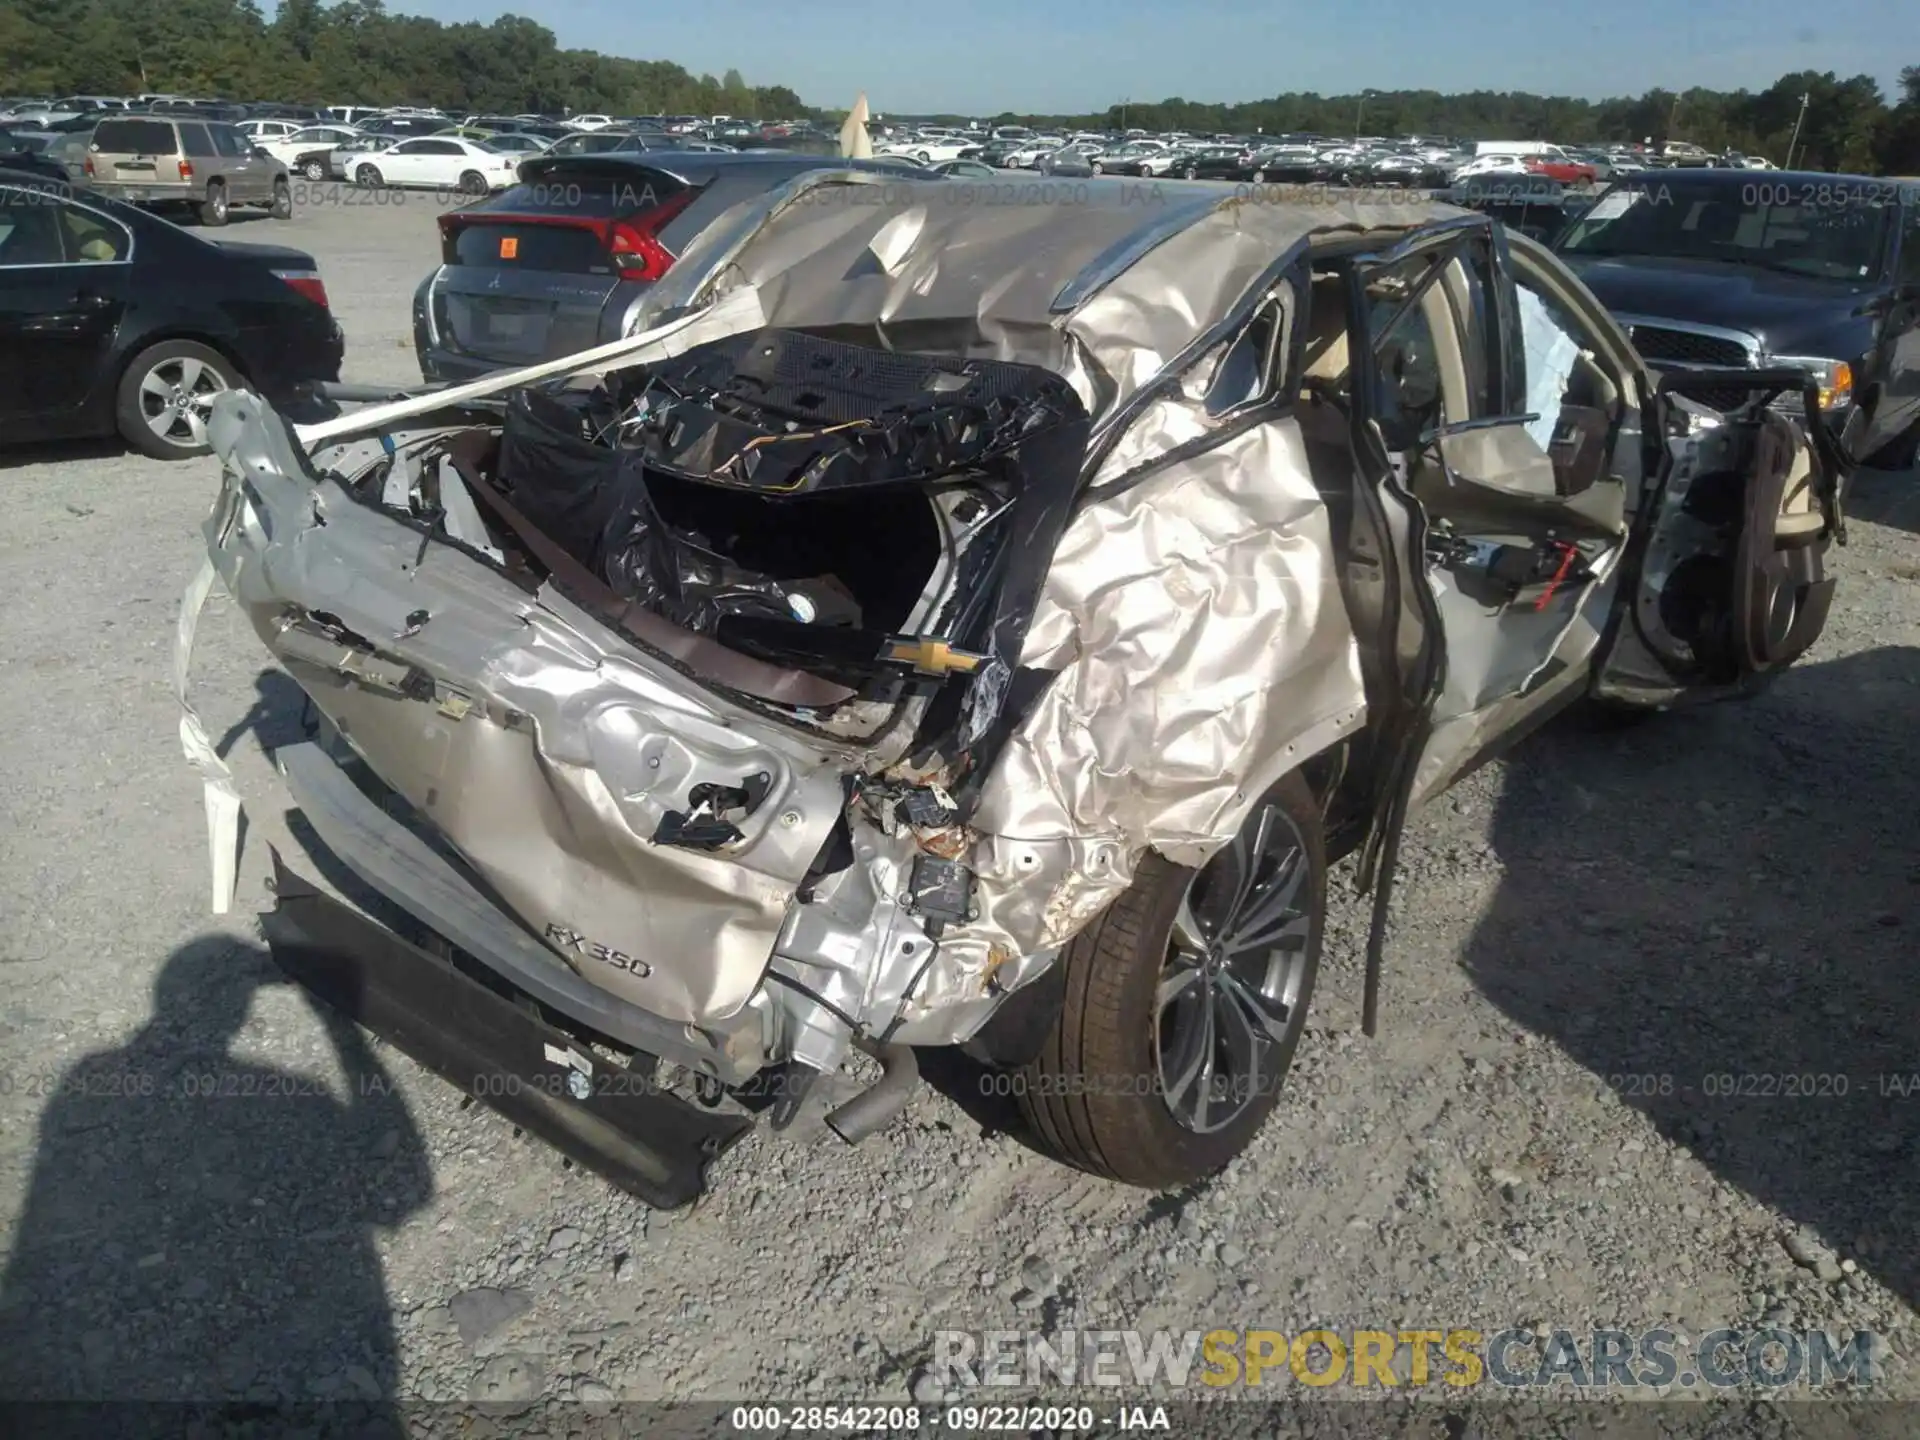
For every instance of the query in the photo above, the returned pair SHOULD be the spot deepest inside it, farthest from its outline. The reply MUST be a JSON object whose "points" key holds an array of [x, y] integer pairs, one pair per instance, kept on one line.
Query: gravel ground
{"points": [[1589, 935]]}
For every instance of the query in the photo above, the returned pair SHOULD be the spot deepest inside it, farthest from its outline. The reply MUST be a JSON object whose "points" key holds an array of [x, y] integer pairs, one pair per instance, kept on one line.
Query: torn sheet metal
{"points": [[575, 748], [988, 264], [1202, 650]]}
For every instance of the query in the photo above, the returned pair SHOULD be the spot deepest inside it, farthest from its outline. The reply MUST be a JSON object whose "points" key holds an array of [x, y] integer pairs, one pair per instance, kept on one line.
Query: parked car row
{"points": [[1426, 162], [1835, 292]]}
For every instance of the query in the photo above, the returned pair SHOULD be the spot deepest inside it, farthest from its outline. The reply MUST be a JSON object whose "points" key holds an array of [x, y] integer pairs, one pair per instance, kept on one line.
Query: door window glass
{"points": [[92, 238], [1407, 399], [29, 230]]}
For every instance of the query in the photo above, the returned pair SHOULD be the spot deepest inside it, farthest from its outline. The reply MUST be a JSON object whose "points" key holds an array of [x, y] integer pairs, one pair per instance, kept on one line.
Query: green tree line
{"points": [[354, 52], [1849, 125], [357, 52]]}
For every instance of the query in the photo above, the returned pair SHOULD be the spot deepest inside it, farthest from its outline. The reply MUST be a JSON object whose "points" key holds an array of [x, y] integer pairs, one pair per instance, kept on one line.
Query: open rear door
{"points": [[1727, 584]]}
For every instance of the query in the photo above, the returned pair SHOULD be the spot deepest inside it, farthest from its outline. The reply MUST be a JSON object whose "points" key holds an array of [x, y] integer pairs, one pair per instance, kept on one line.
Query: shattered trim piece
{"points": [[737, 312], [221, 798]]}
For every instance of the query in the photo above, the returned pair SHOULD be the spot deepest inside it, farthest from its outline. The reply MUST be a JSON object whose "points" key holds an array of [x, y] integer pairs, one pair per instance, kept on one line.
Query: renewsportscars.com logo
{"points": [[1406, 1358]]}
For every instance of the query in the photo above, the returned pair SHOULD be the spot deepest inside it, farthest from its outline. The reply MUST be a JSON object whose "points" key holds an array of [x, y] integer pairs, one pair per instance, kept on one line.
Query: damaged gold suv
{"points": [[968, 624]]}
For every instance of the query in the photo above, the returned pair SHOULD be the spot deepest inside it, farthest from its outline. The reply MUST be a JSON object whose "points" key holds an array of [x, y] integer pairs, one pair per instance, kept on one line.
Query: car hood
{"points": [[1764, 303]]}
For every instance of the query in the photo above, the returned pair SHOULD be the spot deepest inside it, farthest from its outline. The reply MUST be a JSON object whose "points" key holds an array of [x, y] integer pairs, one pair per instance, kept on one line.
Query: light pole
{"points": [[1801, 120], [1360, 110]]}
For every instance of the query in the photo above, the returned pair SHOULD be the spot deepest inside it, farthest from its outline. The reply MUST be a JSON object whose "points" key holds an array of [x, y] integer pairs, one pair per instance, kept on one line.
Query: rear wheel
{"points": [[1259, 177], [164, 398], [1185, 1003], [215, 209], [472, 182], [1190, 173], [282, 205], [1098, 168]]}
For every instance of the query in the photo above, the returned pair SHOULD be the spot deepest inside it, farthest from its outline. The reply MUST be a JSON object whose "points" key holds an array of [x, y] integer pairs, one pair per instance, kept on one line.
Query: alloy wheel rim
{"points": [[1230, 990], [176, 397]]}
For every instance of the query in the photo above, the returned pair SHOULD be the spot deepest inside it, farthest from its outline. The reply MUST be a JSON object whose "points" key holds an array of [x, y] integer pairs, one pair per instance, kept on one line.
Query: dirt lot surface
{"points": [[1649, 1050]]}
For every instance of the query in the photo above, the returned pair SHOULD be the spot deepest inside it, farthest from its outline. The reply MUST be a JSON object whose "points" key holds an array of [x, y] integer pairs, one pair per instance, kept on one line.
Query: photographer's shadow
{"points": [[1722, 906], [202, 1228]]}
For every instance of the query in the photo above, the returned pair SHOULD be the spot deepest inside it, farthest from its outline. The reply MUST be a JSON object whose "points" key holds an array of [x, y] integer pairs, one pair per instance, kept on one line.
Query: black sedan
{"points": [[113, 320], [1214, 162]]}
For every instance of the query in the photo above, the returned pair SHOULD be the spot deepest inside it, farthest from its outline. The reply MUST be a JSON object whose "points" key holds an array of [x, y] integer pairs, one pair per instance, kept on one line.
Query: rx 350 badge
{"points": [[569, 939]]}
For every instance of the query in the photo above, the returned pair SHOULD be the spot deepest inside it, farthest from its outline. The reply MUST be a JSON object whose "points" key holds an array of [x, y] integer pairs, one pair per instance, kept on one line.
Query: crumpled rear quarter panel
{"points": [[578, 744]]}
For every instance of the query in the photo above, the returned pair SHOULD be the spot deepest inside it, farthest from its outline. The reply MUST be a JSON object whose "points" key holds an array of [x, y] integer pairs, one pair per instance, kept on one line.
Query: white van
{"points": [[1518, 147]]}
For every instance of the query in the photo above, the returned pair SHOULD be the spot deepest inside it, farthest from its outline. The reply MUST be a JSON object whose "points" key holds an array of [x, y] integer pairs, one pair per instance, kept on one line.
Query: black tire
{"points": [[315, 170], [368, 177], [1098, 168], [215, 209], [472, 182], [135, 413], [1094, 1095], [282, 206], [1259, 177], [1190, 173]]}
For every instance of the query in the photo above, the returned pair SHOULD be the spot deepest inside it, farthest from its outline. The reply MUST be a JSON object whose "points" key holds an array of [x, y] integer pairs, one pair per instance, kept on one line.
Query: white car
{"points": [[929, 149], [305, 150], [261, 131], [440, 162], [1490, 165], [590, 122]]}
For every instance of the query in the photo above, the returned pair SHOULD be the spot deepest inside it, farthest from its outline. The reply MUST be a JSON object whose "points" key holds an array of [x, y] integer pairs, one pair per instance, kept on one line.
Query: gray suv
{"points": [[206, 164], [561, 261]]}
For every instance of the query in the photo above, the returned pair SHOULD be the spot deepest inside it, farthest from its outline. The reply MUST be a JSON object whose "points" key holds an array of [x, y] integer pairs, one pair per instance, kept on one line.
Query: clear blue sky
{"points": [[1071, 56]]}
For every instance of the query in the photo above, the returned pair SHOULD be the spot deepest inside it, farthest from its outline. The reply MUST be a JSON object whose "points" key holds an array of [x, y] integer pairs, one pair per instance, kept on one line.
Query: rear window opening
{"points": [[837, 531], [812, 581]]}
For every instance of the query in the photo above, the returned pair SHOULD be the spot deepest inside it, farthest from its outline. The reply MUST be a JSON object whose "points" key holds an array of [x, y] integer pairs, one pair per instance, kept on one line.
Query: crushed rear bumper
{"points": [[616, 1122]]}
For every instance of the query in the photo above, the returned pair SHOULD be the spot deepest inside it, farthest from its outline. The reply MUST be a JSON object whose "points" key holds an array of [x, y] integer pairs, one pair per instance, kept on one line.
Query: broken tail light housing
{"points": [[308, 283]]}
